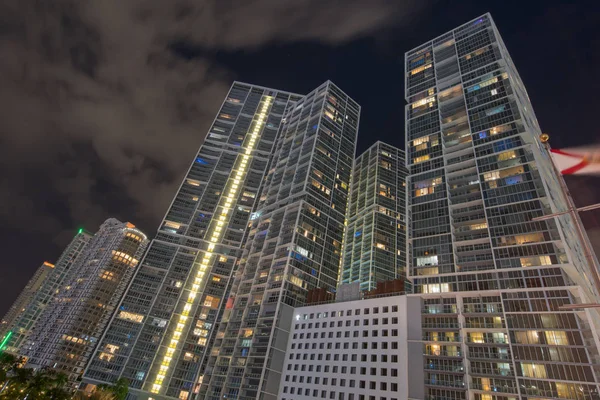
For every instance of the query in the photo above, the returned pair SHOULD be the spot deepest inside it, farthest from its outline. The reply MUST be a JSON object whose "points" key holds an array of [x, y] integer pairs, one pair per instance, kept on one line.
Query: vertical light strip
{"points": [[215, 235], [5, 340]]}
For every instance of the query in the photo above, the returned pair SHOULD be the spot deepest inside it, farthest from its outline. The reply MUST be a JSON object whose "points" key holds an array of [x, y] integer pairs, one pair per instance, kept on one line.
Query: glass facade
{"points": [[27, 320], [492, 280], [26, 296], [294, 244], [375, 239], [166, 321], [73, 322]]}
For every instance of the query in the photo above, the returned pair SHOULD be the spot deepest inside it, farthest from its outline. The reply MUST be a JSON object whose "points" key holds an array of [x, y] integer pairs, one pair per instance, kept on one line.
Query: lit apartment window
{"points": [[421, 159]]}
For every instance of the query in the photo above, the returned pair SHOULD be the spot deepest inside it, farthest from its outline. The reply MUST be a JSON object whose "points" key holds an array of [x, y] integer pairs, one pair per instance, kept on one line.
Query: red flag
{"points": [[577, 161]]}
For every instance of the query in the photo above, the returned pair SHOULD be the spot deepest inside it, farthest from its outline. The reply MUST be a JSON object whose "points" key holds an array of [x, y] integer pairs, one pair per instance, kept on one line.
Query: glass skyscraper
{"points": [[294, 244], [167, 319], [68, 331], [20, 329], [26, 296], [492, 280], [375, 239]]}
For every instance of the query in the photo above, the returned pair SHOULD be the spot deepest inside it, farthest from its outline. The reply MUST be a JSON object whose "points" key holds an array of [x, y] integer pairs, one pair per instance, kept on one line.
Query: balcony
{"points": [[488, 356], [487, 325], [494, 388], [439, 309], [440, 338], [440, 325], [492, 371], [459, 368], [452, 384], [442, 353]]}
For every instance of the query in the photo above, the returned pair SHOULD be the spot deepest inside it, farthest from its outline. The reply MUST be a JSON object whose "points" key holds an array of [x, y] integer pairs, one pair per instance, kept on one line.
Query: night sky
{"points": [[104, 103]]}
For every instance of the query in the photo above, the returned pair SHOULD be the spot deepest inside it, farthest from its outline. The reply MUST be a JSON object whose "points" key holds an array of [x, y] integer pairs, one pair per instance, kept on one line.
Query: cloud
{"points": [[100, 119]]}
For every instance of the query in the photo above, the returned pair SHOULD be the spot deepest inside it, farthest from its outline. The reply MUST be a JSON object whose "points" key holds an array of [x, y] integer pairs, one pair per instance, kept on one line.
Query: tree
{"points": [[96, 395], [119, 390], [8, 363], [42, 384]]}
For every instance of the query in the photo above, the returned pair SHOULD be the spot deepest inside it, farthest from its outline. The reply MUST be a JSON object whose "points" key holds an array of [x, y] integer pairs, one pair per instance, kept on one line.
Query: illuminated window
{"points": [[109, 276], [420, 140], [296, 281], [565, 391], [527, 337], [420, 69], [477, 337], [485, 384], [478, 226], [112, 348], [476, 53], [427, 260], [133, 236], [200, 332], [385, 191], [302, 251], [421, 159], [423, 102], [124, 258], [131, 316], [534, 370], [428, 271], [321, 187], [427, 186], [193, 182], [482, 84], [184, 395], [211, 301], [106, 356], [557, 338], [535, 261], [436, 288], [188, 356], [490, 176], [314, 211]]}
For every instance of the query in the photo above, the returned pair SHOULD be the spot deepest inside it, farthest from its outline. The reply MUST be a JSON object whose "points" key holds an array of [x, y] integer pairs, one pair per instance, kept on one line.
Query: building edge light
{"points": [[5, 340], [215, 235]]}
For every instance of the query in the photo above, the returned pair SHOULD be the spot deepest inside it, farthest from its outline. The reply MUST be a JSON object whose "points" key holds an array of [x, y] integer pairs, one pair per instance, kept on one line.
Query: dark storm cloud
{"points": [[100, 118]]}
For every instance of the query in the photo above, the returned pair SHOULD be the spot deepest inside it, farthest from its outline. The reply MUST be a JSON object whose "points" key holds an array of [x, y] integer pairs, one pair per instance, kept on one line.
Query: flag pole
{"points": [[583, 239]]}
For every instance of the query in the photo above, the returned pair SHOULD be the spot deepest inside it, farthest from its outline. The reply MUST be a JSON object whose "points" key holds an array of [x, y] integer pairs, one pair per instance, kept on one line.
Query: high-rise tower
{"points": [[20, 329], [69, 329], [294, 245], [26, 296], [166, 321], [375, 240], [493, 281]]}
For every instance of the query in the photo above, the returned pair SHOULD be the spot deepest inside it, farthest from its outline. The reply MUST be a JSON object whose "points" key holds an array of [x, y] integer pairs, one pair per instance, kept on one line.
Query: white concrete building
{"points": [[355, 350]]}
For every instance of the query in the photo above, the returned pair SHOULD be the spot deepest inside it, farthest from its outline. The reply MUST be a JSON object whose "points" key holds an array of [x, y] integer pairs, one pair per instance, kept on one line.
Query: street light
{"points": [[573, 211]]}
